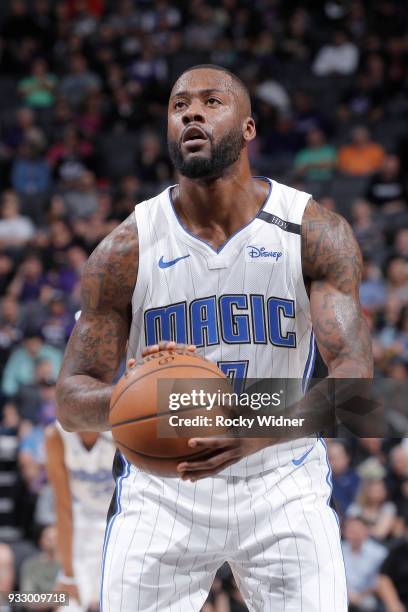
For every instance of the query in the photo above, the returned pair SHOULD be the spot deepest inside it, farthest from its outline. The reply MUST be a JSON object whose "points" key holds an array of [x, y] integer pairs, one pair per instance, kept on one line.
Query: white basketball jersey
{"points": [[90, 475], [244, 306]]}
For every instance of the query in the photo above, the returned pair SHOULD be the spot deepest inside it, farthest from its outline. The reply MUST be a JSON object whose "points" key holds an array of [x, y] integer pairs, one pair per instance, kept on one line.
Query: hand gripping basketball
{"points": [[141, 414]]}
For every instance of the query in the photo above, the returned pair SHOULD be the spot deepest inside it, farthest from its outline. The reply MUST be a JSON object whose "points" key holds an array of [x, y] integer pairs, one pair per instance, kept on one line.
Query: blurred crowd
{"points": [[83, 96]]}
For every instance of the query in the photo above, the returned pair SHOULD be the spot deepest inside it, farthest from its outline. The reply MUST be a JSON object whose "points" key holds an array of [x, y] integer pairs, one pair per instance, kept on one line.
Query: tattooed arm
{"points": [[99, 338], [332, 263]]}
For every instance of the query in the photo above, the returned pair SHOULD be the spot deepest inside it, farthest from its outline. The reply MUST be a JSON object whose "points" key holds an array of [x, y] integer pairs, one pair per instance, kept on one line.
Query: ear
{"points": [[249, 129]]}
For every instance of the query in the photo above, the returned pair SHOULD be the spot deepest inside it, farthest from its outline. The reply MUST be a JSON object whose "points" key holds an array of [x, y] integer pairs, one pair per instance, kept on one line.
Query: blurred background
{"points": [[83, 102]]}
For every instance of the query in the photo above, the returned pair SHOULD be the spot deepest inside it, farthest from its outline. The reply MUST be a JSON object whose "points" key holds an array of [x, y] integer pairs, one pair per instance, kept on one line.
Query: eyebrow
{"points": [[186, 93]]}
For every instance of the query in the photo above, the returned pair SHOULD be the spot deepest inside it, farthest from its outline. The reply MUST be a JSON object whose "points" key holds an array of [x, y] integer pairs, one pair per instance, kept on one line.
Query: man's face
{"points": [[356, 532], [205, 124]]}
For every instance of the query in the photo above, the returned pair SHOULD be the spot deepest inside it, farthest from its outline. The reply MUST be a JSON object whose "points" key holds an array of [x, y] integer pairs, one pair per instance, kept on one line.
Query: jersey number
{"points": [[236, 371]]}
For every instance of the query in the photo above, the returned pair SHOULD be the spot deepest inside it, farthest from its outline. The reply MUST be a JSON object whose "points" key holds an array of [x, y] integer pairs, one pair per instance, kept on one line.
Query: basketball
{"points": [[136, 413]]}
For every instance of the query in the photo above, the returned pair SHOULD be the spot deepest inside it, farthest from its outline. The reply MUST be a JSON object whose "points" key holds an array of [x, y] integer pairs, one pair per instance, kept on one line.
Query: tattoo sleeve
{"points": [[98, 341], [332, 263]]}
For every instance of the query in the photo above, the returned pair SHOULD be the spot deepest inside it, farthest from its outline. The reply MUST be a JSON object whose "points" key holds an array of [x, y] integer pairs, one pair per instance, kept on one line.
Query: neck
{"points": [[226, 203]]}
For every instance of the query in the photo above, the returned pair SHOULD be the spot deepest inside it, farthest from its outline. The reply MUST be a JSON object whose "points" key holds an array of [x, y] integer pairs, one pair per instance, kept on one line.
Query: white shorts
{"points": [[167, 538], [86, 559]]}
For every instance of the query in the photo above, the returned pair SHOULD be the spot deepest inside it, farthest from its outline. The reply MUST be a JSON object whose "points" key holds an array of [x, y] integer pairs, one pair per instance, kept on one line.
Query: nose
{"points": [[193, 113]]}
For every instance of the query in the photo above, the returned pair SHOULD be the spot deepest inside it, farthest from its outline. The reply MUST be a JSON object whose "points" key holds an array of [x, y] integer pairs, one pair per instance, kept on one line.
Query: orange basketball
{"points": [[139, 408]]}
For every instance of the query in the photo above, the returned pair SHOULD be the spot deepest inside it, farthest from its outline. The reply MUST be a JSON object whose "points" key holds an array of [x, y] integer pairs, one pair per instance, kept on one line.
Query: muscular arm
{"points": [[99, 338], [332, 262]]}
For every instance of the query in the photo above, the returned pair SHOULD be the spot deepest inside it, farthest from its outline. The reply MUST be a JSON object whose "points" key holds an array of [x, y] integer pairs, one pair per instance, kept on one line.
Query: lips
{"points": [[194, 133]]}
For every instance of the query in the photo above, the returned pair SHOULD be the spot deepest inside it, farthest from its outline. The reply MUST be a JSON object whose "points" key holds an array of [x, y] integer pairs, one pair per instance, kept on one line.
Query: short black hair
{"points": [[240, 84]]}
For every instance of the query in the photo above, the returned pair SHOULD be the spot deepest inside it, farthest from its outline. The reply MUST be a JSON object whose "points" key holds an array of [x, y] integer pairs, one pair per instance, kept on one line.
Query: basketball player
{"points": [[79, 468], [183, 268]]}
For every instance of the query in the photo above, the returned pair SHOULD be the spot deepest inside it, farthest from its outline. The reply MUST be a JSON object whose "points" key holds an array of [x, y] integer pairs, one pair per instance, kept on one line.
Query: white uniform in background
{"points": [[92, 486], [246, 308]]}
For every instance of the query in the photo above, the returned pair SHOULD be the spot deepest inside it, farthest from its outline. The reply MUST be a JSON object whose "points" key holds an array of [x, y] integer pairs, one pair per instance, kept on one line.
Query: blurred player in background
{"points": [[80, 472]]}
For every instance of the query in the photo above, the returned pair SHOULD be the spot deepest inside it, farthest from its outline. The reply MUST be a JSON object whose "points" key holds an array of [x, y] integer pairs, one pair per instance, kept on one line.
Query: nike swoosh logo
{"points": [[302, 458], [168, 264]]}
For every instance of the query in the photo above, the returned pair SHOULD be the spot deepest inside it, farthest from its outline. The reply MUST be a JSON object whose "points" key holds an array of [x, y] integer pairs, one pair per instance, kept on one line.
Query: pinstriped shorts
{"points": [[167, 538]]}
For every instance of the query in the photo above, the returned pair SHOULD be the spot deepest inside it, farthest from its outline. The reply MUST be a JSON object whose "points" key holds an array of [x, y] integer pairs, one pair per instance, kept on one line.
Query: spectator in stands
{"points": [[30, 174], [19, 23], [306, 115], [19, 129], [402, 510], [401, 242], [297, 42], [46, 413], [20, 367], [278, 137], [70, 273], [392, 585], [148, 69], [274, 94], [60, 119], [362, 156], [317, 161], [31, 458], [7, 270], [363, 557], [58, 239], [152, 165], [361, 101], [90, 117], [69, 156], [79, 198], [201, 31], [397, 471], [79, 82], [15, 229], [372, 288], [400, 345], [397, 278], [10, 328], [127, 112], [57, 323], [29, 397], [369, 448], [28, 280], [38, 573], [44, 20], [38, 90], [10, 484], [338, 57], [372, 505], [345, 479], [387, 187], [368, 231], [388, 325]]}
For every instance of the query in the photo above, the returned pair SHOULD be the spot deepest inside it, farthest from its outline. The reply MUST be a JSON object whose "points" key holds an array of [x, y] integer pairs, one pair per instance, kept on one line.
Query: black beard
{"points": [[223, 154]]}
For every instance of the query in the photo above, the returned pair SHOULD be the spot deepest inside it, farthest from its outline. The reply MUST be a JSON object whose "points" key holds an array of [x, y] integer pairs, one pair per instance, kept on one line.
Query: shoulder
{"points": [[121, 243], [316, 216], [329, 247], [109, 275]]}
